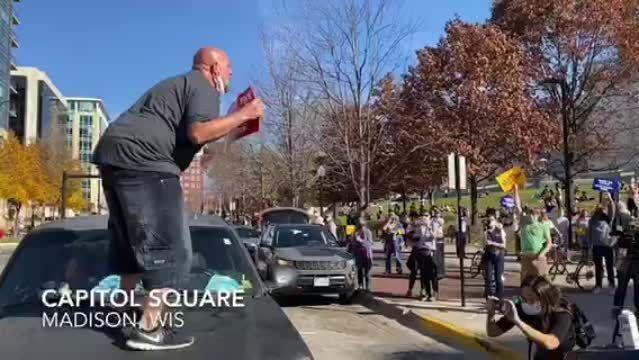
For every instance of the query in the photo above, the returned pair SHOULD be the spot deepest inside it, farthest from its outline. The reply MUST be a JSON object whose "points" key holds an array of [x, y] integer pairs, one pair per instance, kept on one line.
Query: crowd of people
{"points": [[609, 235], [549, 321], [422, 233]]}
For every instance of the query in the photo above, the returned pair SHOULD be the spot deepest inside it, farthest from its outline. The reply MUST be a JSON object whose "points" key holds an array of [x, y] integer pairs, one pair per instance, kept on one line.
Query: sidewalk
{"points": [[467, 325]]}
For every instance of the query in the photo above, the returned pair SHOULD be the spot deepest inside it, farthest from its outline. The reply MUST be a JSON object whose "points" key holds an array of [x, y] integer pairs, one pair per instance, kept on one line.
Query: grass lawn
{"points": [[493, 200]]}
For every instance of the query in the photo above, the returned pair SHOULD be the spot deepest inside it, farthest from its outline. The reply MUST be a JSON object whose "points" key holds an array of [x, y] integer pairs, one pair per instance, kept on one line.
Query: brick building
{"points": [[192, 180]]}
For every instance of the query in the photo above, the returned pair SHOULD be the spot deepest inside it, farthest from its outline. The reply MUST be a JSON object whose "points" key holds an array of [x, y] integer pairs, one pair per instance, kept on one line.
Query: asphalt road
{"points": [[351, 332]]}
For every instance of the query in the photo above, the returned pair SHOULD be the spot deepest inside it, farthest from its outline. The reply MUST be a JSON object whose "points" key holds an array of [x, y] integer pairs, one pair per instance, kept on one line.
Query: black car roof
{"points": [[95, 222], [285, 209], [296, 225]]}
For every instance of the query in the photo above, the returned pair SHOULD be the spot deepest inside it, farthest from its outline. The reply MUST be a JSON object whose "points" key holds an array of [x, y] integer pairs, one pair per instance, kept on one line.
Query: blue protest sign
{"points": [[611, 186], [508, 202]]}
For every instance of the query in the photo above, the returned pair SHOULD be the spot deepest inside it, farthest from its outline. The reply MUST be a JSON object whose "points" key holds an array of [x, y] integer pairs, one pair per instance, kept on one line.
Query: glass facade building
{"points": [[86, 121], [8, 20]]}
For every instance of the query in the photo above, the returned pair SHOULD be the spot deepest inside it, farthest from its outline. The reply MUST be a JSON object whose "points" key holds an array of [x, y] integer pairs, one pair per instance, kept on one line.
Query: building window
{"points": [[86, 189], [86, 138], [86, 106]]}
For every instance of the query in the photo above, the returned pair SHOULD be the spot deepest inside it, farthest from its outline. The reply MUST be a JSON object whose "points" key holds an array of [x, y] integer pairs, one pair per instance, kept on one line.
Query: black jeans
{"points": [[389, 252], [411, 264], [363, 272], [629, 270], [598, 254], [149, 227], [422, 261], [494, 262]]}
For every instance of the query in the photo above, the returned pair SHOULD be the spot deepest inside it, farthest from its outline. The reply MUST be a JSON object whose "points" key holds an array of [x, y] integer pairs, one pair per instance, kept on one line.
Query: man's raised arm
{"points": [[203, 132]]}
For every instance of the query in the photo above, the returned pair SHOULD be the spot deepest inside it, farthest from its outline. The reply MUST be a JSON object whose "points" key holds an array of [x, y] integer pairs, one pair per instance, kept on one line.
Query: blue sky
{"points": [[117, 49]]}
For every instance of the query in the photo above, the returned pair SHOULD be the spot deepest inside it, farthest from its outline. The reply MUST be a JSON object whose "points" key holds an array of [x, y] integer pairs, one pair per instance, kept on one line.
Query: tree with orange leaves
{"points": [[474, 90], [584, 56], [22, 176]]}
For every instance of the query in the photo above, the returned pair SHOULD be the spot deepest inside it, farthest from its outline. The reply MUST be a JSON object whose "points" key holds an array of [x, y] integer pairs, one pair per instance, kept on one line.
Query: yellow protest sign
{"points": [[512, 177], [351, 229]]}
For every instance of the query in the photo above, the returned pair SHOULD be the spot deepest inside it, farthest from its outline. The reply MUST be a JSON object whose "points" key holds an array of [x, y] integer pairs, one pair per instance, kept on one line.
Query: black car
{"points": [[72, 254]]}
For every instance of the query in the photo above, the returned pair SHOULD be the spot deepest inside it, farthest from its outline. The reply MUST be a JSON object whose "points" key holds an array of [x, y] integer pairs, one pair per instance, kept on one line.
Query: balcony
{"points": [[14, 42], [14, 19], [14, 65]]}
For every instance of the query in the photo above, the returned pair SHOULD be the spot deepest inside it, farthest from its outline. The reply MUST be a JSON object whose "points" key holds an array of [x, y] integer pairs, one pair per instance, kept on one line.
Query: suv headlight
{"points": [[283, 262]]}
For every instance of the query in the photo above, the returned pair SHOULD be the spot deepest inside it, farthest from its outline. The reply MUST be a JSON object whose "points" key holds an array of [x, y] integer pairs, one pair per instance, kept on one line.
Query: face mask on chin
{"points": [[531, 309], [220, 86]]}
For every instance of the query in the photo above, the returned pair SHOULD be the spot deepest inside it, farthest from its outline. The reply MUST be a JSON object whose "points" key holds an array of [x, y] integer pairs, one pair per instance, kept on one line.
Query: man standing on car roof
{"points": [[140, 157]]}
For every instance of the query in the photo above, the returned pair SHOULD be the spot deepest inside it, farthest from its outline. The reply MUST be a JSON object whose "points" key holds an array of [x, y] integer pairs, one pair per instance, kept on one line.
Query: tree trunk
{"points": [[16, 219], [473, 199], [33, 214], [363, 191], [431, 198], [404, 200]]}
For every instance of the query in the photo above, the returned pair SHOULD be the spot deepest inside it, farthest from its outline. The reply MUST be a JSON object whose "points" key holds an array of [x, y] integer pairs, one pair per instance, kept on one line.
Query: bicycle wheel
{"points": [[475, 264], [585, 275]]}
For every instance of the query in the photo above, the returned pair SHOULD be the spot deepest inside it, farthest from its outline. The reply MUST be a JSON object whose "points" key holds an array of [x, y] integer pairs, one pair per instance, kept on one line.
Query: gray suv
{"points": [[304, 259]]}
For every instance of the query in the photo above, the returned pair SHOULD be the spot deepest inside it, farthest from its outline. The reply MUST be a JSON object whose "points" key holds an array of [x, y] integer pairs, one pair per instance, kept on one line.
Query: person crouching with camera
{"points": [[539, 314]]}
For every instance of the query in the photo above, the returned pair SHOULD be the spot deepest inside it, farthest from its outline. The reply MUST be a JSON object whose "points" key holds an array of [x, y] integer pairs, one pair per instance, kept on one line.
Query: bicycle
{"points": [[477, 264], [584, 274], [558, 259]]}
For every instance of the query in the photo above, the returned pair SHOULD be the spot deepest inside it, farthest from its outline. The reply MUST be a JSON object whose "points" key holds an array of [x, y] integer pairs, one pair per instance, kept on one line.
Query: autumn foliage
{"points": [[29, 176]]}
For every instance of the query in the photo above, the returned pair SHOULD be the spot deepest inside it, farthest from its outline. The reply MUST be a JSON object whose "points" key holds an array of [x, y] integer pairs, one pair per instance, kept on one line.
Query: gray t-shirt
{"points": [[152, 134]]}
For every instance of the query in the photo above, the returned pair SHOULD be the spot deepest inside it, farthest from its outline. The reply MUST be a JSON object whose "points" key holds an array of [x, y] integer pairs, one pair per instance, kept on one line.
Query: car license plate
{"points": [[321, 281]]}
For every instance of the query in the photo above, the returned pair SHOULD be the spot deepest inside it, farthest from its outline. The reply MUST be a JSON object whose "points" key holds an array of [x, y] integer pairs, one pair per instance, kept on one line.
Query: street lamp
{"points": [[567, 155], [321, 172]]}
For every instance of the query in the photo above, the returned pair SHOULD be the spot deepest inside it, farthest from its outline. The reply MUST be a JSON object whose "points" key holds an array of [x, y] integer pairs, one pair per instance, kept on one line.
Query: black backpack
{"points": [[584, 330]]}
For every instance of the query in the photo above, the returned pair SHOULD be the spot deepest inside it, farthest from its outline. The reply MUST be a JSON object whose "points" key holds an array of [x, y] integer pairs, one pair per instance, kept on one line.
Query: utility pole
{"points": [[461, 249]]}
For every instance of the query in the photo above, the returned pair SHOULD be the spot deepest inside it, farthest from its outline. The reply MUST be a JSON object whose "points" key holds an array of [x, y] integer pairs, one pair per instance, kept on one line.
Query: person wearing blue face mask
{"points": [[540, 316]]}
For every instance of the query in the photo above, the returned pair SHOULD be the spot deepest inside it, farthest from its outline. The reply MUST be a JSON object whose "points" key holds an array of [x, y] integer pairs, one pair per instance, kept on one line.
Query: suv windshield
{"points": [[246, 232], [290, 236], [51, 258]]}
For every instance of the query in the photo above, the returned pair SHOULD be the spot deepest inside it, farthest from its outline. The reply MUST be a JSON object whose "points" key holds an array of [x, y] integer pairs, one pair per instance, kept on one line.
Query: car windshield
{"points": [[290, 236], [246, 232], [285, 217], [58, 257]]}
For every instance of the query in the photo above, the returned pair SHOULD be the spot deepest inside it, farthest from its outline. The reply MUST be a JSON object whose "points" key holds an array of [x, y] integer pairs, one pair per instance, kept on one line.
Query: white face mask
{"points": [[219, 85], [531, 309]]}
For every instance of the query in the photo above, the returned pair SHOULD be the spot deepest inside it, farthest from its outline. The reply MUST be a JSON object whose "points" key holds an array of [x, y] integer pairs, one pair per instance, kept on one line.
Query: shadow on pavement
{"points": [[419, 355]]}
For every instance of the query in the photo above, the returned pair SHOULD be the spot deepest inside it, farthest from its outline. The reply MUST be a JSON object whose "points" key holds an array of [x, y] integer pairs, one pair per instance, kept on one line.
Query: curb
{"points": [[8, 246], [443, 331]]}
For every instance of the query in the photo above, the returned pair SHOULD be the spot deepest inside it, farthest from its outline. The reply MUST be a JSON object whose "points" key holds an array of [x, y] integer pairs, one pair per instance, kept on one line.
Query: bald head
{"points": [[216, 67]]}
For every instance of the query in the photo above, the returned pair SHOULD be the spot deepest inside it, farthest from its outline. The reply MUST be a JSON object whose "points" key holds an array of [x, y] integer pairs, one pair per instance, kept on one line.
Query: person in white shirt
{"points": [[394, 243], [437, 225], [423, 248], [331, 226], [364, 255]]}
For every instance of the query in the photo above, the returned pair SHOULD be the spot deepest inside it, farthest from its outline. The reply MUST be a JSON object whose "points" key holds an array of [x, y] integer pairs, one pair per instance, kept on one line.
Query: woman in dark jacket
{"points": [[540, 316]]}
